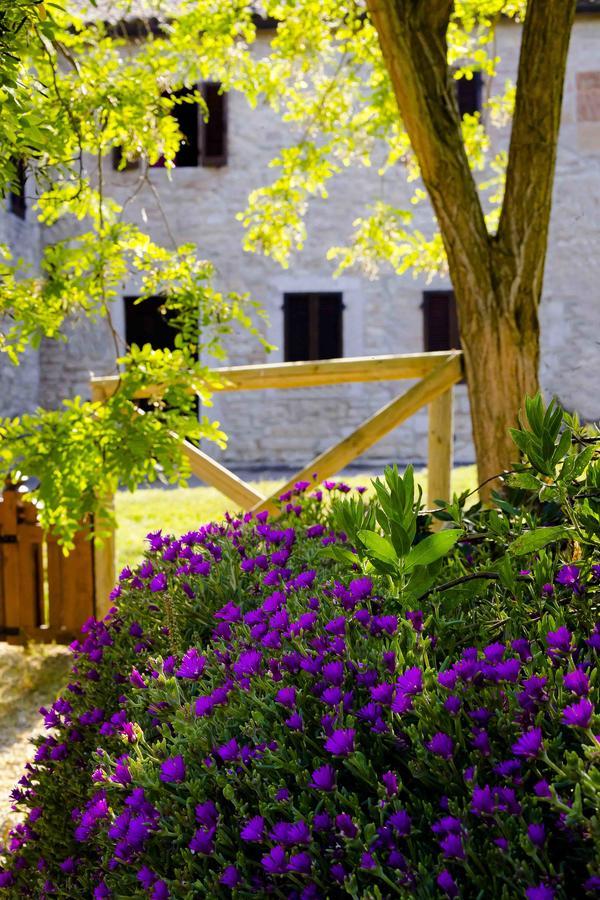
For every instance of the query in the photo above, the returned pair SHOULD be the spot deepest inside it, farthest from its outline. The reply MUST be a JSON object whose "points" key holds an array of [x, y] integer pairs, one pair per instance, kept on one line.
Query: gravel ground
{"points": [[28, 679]]}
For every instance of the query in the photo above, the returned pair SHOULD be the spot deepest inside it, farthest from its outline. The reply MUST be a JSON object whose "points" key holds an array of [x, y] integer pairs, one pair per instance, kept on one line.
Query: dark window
{"points": [[146, 323], [213, 144], [312, 326], [203, 143], [468, 93], [440, 322], [17, 201]]}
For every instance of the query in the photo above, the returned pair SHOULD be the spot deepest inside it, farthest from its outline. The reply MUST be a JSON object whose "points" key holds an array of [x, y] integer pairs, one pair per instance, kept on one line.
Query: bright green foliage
{"points": [[73, 88]]}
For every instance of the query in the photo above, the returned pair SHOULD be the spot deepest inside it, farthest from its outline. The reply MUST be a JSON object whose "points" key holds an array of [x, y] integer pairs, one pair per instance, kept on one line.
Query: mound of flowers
{"points": [[267, 710]]}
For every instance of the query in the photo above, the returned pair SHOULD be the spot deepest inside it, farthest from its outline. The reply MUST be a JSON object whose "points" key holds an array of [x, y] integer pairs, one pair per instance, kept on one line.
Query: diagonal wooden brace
{"points": [[440, 380]]}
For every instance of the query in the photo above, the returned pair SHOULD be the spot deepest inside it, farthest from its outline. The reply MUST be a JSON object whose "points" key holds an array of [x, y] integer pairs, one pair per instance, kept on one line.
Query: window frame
{"points": [[313, 299]]}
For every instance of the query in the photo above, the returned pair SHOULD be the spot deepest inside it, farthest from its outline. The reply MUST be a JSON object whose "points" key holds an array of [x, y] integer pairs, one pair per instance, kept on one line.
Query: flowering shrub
{"points": [[285, 707]]}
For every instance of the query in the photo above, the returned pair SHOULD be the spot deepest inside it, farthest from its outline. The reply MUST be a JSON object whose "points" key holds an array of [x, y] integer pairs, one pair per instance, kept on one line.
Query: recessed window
{"points": [[312, 325], [17, 202], [468, 94], [147, 323], [440, 322], [213, 139], [203, 143]]}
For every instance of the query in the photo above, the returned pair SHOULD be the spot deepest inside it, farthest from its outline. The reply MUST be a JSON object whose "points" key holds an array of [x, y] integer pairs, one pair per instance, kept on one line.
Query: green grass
{"points": [[182, 509]]}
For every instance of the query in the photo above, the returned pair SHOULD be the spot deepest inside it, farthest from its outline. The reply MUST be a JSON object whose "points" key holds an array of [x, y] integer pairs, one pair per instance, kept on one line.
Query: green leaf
{"points": [[432, 548], [538, 538], [378, 546]]}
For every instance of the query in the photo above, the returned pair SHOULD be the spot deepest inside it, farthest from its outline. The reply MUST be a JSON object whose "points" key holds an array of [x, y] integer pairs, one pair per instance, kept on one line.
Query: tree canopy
{"points": [[77, 81]]}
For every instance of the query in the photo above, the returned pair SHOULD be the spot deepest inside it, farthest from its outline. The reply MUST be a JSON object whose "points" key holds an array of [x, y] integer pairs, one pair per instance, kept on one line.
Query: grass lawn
{"points": [[182, 509]]}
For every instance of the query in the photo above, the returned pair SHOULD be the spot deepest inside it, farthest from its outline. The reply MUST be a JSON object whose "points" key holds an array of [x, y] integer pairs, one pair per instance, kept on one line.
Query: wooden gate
{"points": [[44, 595]]}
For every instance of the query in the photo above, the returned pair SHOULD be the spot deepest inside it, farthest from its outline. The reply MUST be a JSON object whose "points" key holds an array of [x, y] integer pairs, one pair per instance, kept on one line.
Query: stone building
{"points": [[312, 313]]}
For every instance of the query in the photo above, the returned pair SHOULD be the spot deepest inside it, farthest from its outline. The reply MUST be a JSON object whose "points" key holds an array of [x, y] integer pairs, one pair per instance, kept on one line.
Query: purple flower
{"points": [[294, 723], [360, 588], [160, 891], [529, 744], [542, 788], [410, 682], [577, 682], [400, 822], [275, 861], [202, 841], [441, 745], [287, 697], [192, 665], [206, 813], [367, 861], [323, 779], [452, 847], [537, 834], [253, 830], [158, 583], [447, 884], [415, 617], [346, 825], [333, 672], [540, 892], [248, 663], [522, 649], [390, 782], [230, 877], [569, 576], [300, 862], [452, 705], [578, 715], [341, 742], [559, 641], [172, 770]]}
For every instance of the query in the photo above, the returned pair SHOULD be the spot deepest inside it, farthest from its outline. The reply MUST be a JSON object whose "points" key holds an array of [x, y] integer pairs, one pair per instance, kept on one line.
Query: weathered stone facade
{"points": [[382, 316]]}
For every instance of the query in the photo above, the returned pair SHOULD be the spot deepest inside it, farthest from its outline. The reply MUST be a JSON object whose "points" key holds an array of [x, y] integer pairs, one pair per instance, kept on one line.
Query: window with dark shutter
{"points": [[17, 202], [213, 143], [203, 143], [440, 322], [468, 94], [146, 323], [312, 325]]}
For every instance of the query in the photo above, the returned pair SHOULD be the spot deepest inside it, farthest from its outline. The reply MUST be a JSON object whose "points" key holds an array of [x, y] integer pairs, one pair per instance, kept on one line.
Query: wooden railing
{"points": [[437, 374]]}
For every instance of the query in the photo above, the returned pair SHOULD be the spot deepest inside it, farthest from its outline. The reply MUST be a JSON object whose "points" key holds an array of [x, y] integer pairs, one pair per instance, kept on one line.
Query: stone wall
{"points": [[382, 316], [19, 385]]}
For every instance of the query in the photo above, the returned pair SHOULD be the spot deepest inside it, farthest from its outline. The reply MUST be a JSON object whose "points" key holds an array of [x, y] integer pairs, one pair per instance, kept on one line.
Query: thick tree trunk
{"points": [[501, 362], [497, 279]]}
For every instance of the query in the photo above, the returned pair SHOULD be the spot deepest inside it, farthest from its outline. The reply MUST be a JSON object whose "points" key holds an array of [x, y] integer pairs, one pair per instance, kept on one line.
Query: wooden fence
{"points": [[437, 373], [44, 595]]}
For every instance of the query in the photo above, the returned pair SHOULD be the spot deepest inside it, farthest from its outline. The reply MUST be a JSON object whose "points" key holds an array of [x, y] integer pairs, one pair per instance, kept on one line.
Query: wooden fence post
{"points": [[104, 552], [441, 435]]}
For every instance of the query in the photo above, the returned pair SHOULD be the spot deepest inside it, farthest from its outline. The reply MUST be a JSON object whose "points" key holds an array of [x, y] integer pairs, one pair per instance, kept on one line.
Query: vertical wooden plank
{"points": [[55, 585], [10, 563], [441, 436], [104, 563], [77, 572], [103, 550]]}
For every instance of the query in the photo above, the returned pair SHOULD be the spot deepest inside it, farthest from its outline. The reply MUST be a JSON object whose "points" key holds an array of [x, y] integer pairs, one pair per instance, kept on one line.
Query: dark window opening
{"points": [[203, 143], [147, 323], [214, 130], [468, 94], [440, 321], [17, 200], [312, 326]]}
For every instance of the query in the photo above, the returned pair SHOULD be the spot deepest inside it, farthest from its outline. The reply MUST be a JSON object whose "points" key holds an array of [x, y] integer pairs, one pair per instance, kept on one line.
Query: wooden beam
{"points": [[218, 476], [372, 430], [441, 438], [302, 374]]}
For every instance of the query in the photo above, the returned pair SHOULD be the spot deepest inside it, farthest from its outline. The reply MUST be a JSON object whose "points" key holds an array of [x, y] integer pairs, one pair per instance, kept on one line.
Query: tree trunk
{"points": [[497, 278], [501, 361]]}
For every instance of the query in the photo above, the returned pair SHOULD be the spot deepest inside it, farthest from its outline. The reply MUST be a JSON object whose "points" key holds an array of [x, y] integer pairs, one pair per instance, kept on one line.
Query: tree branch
{"points": [[412, 36], [523, 228]]}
